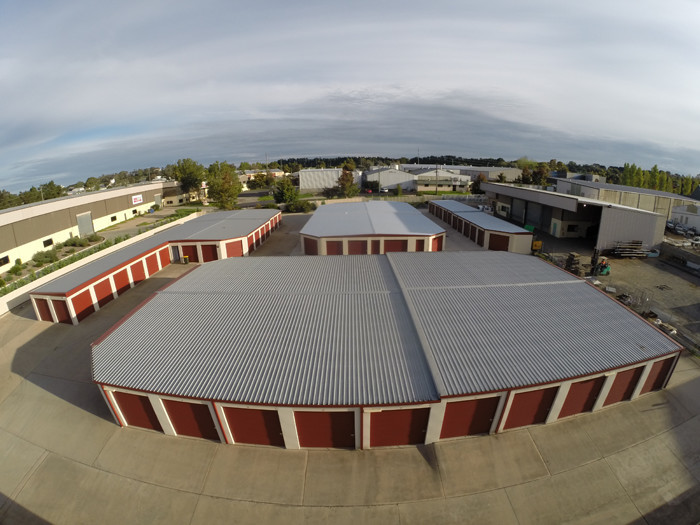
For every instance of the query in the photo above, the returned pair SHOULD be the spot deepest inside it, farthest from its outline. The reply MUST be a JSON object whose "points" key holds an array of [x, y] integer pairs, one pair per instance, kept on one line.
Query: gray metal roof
{"points": [[345, 340], [370, 330], [491, 223], [536, 324], [632, 189], [454, 206], [369, 218], [212, 226]]}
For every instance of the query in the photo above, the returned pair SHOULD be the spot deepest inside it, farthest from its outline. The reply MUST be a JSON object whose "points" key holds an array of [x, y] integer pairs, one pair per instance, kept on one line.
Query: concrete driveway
{"points": [[63, 459]]}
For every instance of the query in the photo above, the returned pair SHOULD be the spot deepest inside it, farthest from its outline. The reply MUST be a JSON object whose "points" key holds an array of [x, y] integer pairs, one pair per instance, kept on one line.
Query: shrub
{"points": [[93, 237], [45, 257], [2, 282], [15, 270], [301, 207], [18, 262]]}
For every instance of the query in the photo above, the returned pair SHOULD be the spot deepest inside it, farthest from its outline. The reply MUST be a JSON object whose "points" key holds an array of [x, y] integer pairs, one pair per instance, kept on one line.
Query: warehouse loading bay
{"points": [[64, 460]]}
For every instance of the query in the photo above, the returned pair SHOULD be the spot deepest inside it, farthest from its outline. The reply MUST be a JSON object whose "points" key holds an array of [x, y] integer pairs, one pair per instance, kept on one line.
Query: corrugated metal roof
{"points": [[340, 331], [632, 189], [369, 218], [212, 226], [347, 341], [454, 206]]}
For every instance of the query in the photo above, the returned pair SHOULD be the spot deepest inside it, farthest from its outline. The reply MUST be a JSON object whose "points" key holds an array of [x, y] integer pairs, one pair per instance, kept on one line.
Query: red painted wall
{"points": [[191, 419], [234, 249], [121, 281], [82, 305], [326, 429], [103, 291], [137, 272], [254, 426], [530, 408], [468, 418], [43, 310], [623, 386], [398, 427]]}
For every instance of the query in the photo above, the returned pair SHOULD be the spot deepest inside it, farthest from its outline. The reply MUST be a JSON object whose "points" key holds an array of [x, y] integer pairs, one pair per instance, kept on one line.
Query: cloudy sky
{"points": [[89, 87]]}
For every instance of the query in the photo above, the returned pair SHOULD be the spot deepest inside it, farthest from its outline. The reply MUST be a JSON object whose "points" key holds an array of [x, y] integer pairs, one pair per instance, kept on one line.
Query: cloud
{"points": [[98, 87]]}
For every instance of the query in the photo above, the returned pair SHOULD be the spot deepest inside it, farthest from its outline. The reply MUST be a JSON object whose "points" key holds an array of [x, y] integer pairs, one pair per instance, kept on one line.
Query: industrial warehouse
{"points": [[72, 297], [359, 228], [374, 351]]}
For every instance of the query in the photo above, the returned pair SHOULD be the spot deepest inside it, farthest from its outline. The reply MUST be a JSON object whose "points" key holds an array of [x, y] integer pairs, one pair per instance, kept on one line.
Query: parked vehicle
{"points": [[384, 190], [670, 225], [680, 230]]}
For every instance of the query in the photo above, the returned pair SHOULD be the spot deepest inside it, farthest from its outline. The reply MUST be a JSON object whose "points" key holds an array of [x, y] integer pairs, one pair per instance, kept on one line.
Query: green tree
{"points": [[224, 185], [539, 176], [190, 174], [92, 184], [526, 177], [346, 184], [285, 191], [654, 178], [51, 190], [686, 186]]}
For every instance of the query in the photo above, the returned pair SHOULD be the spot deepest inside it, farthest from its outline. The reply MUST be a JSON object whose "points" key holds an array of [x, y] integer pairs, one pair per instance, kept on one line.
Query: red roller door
{"points": [[472, 232], [395, 245], [251, 243], [326, 429], [103, 291], [137, 272], [43, 310], [334, 247], [468, 418], [398, 427], [121, 281], [82, 305], [420, 245], [191, 419], [152, 263], [137, 411], [209, 253], [234, 249], [498, 243], [258, 427], [357, 247], [61, 309], [623, 386], [480, 238], [530, 408], [581, 397], [437, 244], [164, 255], [376, 244], [657, 375], [190, 251], [310, 246], [455, 221], [257, 238]]}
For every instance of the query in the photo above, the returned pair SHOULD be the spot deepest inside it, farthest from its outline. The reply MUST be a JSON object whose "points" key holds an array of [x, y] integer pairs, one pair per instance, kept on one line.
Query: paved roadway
{"points": [[63, 459]]}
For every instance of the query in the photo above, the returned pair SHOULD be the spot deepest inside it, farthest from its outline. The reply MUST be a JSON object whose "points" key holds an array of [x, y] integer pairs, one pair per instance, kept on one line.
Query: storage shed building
{"points": [[358, 228], [484, 229], [75, 295], [364, 352]]}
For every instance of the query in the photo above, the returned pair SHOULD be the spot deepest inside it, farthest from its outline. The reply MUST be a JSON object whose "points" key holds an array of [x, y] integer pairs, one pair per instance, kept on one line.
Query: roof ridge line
{"points": [[505, 285], [422, 338]]}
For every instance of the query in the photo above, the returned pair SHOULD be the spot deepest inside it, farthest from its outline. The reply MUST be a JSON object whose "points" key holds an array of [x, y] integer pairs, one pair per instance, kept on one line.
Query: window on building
{"points": [[4, 260], [113, 218], [48, 242], [168, 202], [134, 212]]}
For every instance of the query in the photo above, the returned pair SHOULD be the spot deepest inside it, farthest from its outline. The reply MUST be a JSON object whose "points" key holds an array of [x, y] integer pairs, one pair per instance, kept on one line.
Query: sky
{"points": [[90, 88]]}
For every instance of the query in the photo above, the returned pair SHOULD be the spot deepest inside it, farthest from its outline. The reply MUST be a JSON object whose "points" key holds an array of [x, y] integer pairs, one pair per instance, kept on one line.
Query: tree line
{"points": [[222, 177]]}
